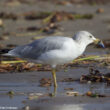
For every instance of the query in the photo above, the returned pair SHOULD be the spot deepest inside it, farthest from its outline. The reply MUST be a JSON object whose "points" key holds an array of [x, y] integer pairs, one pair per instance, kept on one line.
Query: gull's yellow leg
{"points": [[54, 77]]}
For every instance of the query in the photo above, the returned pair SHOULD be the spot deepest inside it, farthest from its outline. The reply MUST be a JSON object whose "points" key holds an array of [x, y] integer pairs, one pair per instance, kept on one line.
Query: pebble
{"points": [[70, 93], [100, 10], [11, 93], [1, 22], [26, 108], [89, 93], [89, 82], [4, 38]]}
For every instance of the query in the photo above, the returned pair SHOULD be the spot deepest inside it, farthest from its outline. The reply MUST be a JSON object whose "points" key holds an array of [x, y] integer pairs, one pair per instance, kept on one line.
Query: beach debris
{"points": [[100, 10], [89, 58], [45, 82], [37, 37], [26, 108], [59, 16], [33, 96], [19, 65], [48, 19], [51, 17], [72, 93], [80, 2], [11, 94], [94, 95], [95, 76], [1, 23], [12, 64], [49, 28], [89, 93], [4, 15], [4, 38], [32, 15]]}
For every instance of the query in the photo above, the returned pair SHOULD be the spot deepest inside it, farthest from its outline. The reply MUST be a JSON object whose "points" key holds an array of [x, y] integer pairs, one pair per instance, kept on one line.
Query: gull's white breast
{"points": [[69, 51]]}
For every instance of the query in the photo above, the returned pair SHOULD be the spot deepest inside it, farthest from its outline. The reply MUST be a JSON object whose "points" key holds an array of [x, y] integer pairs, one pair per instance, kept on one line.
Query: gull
{"points": [[55, 50]]}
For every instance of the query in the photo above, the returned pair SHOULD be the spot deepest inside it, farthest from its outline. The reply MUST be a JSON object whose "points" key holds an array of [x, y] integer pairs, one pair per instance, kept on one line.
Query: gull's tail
{"points": [[16, 52], [4, 51]]}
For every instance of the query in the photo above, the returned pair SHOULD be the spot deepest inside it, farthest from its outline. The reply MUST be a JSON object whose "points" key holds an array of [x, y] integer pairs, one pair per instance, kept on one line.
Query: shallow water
{"points": [[23, 84]]}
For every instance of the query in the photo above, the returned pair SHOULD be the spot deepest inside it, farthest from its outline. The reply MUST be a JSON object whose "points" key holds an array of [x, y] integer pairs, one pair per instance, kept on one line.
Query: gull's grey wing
{"points": [[38, 47]]}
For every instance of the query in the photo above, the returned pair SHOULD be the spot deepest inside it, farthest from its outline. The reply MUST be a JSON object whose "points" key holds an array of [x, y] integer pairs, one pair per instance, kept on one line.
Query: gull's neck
{"points": [[82, 46]]}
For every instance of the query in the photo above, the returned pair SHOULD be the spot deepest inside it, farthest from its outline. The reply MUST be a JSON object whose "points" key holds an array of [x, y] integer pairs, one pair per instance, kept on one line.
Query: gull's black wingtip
{"points": [[4, 51]]}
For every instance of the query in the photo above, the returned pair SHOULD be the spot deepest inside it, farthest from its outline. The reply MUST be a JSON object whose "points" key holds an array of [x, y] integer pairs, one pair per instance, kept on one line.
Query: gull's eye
{"points": [[90, 36]]}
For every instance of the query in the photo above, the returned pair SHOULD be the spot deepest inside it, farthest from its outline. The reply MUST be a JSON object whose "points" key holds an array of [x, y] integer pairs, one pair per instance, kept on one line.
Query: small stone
{"points": [[1, 22], [70, 93], [89, 93], [26, 108], [100, 10], [34, 96], [52, 25], [11, 93], [4, 38], [89, 82]]}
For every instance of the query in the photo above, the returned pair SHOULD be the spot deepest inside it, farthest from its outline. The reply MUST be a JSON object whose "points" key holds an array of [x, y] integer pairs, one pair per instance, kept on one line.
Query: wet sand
{"points": [[99, 26], [24, 84]]}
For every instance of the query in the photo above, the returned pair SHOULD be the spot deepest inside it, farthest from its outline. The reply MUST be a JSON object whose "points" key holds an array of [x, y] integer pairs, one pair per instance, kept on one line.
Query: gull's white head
{"points": [[86, 38]]}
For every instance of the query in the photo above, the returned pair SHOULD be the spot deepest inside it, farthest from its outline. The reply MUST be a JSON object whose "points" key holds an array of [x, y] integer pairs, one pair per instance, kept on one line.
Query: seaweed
{"points": [[95, 76]]}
